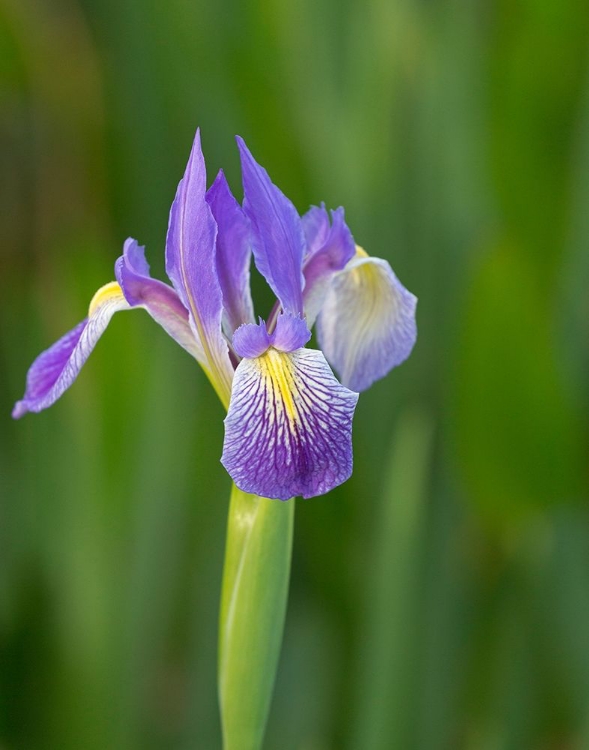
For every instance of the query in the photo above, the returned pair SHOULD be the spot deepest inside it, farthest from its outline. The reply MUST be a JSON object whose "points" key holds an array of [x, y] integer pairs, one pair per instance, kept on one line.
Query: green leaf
{"points": [[387, 658]]}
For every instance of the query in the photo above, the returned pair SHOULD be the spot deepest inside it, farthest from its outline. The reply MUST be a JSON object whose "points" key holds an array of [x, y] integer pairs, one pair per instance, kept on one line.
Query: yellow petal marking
{"points": [[277, 367], [110, 292], [365, 277]]}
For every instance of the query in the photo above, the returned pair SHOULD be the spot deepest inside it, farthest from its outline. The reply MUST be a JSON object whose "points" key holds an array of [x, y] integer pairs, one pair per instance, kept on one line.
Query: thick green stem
{"points": [[253, 606]]}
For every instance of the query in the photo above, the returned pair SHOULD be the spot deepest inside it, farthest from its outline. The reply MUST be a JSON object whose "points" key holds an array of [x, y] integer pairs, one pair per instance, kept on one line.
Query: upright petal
{"points": [[278, 239], [332, 247], [55, 369], [191, 266], [316, 228], [367, 323], [159, 299], [289, 427], [233, 255]]}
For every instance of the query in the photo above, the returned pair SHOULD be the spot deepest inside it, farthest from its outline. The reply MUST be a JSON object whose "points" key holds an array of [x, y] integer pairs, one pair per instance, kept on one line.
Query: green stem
{"points": [[253, 606]]}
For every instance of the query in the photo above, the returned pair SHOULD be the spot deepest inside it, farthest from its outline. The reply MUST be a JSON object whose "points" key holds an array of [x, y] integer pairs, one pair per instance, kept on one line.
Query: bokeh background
{"points": [[440, 599]]}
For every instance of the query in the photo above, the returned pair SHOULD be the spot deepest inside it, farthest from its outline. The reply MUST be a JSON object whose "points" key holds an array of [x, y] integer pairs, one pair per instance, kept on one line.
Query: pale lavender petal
{"points": [[233, 254], [367, 323], [251, 340], [191, 266], [332, 255], [55, 369], [134, 256], [278, 239], [316, 228], [159, 299], [290, 333], [289, 427]]}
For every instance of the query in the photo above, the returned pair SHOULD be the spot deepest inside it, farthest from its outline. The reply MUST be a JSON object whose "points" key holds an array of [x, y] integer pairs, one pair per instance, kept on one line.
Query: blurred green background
{"points": [[440, 599]]}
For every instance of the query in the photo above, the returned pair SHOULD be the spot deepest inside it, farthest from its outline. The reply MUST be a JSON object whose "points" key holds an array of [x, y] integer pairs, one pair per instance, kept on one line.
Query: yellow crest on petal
{"points": [[110, 292], [366, 279], [277, 370]]}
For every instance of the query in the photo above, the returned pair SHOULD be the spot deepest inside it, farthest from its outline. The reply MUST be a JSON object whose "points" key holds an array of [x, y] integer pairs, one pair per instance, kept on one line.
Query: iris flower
{"points": [[289, 422]]}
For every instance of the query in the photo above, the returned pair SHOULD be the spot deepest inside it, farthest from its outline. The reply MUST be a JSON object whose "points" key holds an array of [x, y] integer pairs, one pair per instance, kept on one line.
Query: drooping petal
{"points": [[233, 255], [191, 266], [55, 369], [367, 323], [332, 249], [278, 239], [289, 427], [159, 299]]}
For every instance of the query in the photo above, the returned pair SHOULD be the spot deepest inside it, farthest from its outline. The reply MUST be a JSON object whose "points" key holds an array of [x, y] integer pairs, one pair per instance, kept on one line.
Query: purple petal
{"points": [[327, 257], [251, 340], [55, 369], [316, 228], [367, 323], [233, 254], [191, 266], [159, 299], [134, 258], [289, 427], [290, 333], [278, 240]]}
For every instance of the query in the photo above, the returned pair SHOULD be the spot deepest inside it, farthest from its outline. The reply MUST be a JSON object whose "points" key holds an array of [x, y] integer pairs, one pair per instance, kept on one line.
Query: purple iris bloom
{"points": [[288, 429]]}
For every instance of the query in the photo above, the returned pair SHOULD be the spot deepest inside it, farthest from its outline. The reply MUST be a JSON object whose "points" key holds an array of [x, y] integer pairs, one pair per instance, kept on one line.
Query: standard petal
{"points": [[191, 266], [233, 255], [316, 228], [331, 249], [159, 299], [278, 239], [367, 323], [56, 368], [289, 427]]}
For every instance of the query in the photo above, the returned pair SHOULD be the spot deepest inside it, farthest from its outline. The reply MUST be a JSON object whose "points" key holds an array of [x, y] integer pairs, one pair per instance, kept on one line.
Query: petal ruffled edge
{"points": [[315, 223], [366, 325], [288, 431], [251, 340], [332, 247]]}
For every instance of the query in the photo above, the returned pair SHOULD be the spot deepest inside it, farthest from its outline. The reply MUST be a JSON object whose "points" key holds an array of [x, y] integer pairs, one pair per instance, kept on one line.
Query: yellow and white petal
{"points": [[367, 321]]}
